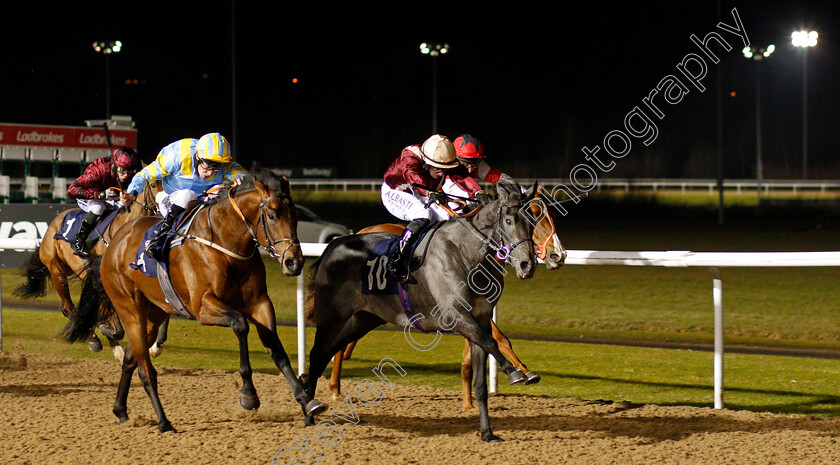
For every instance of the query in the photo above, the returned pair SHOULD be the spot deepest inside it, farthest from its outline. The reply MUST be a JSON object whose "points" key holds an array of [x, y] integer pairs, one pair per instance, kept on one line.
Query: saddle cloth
{"points": [[373, 279], [170, 239], [73, 221]]}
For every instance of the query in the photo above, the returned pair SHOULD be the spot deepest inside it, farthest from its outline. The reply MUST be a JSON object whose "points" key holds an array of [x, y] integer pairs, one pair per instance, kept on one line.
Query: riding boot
{"points": [[80, 242], [155, 247], [398, 264]]}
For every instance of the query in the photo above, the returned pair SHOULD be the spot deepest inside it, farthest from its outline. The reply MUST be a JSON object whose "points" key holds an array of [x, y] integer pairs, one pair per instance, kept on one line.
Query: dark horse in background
{"points": [[54, 258], [219, 276], [547, 246], [457, 287]]}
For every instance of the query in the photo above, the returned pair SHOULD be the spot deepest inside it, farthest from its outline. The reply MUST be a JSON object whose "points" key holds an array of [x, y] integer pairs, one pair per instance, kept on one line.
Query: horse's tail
{"points": [[310, 300], [94, 304], [36, 278]]}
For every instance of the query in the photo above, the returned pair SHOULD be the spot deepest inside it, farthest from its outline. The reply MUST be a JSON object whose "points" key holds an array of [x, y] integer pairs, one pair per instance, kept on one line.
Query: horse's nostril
{"points": [[525, 265], [290, 263], [556, 257]]}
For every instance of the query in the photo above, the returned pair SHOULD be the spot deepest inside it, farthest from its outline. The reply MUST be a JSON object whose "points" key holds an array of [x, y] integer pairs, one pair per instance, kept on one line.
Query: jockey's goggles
{"points": [[121, 170], [211, 165]]}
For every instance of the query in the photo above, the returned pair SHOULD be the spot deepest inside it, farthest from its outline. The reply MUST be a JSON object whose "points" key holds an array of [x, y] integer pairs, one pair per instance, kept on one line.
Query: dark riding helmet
{"points": [[126, 158], [468, 149]]}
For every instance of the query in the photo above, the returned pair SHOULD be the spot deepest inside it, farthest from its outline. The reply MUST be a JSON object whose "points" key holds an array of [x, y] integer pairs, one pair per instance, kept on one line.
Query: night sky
{"points": [[535, 81]]}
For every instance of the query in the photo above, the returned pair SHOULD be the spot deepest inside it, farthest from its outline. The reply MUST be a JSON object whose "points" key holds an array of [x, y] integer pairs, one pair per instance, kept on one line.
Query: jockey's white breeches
{"points": [[98, 207]]}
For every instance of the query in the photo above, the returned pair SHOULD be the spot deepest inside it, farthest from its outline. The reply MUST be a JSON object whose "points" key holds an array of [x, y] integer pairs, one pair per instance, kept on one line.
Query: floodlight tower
{"points": [[106, 48], [804, 40], [434, 50], [757, 54]]}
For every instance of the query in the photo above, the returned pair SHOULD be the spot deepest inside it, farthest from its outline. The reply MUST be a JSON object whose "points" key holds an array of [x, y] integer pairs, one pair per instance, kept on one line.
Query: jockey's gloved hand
{"points": [[108, 194], [483, 198], [439, 197]]}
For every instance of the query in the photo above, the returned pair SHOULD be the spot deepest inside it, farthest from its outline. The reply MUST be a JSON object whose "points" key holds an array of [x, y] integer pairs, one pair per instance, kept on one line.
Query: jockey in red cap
{"points": [[93, 194]]}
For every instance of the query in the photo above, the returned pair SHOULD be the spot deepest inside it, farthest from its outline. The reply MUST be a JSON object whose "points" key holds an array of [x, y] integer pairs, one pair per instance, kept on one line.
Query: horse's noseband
{"points": [[272, 252], [503, 251]]}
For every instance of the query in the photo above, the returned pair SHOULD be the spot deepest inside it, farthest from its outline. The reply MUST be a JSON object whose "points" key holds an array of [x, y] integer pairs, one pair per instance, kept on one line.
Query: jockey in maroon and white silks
{"points": [[426, 165]]}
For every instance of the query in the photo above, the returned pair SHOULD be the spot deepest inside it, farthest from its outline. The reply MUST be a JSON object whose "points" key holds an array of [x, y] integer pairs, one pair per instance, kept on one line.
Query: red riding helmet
{"points": [[468, 149], [126, 158]]}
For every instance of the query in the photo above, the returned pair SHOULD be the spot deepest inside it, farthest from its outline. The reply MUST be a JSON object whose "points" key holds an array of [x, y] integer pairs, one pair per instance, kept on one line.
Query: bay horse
{"points": [[547, 246], [455, 291], [219, 276], [54, 258]]}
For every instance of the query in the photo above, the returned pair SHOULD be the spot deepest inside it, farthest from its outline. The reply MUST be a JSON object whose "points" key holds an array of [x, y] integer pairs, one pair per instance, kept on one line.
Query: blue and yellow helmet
{"points": [[214, 147]]}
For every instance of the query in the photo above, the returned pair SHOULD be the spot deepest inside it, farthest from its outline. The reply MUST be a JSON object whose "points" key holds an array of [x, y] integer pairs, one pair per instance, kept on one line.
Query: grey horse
{"points": [[461, 279]]}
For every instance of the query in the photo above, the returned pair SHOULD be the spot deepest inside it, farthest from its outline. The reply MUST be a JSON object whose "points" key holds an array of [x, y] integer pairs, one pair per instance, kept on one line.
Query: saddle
{"points": [[373, 281]]}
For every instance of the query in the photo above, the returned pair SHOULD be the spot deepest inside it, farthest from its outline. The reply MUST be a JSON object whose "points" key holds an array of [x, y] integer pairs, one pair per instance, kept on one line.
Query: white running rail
{"points": [[712, 260]]}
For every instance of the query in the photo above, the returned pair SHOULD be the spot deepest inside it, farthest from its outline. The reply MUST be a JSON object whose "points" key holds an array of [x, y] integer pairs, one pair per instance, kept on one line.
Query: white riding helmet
{"points": [[439, 152]]}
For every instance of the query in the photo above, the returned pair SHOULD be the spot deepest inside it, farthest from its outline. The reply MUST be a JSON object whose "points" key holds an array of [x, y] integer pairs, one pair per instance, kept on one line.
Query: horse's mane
{"points": [[265, 176]]}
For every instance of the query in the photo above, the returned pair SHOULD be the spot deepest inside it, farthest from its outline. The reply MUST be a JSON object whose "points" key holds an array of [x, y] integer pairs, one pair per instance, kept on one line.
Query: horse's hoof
{"points": [[313, 407], [516, 376], [94, 344], [492, 438], [249, 401], [533, 378], [165, 427], [121, 416], [155, 350], [119, 354]]}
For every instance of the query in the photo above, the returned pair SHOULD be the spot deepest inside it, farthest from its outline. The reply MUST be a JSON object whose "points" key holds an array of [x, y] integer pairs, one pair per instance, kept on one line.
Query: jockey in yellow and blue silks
{"points": [[187, 169]]}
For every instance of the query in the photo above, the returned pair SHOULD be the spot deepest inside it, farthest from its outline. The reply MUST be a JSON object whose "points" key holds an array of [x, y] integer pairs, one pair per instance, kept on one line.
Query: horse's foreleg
{"points": [[335, 378], [506, 348], [470, 329], [467, 376], [479, 362], [263, 318], [156, 348], [214, 312], [348, 351]]}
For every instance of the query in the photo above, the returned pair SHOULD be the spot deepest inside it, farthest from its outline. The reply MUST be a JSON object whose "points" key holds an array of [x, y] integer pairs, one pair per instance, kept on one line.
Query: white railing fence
{"points": [[711, 260], [624, 184]]}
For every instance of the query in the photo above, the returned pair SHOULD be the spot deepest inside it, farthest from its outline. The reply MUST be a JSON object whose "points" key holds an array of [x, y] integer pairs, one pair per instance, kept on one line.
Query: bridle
{"points": [[503, 251], [270, 244], [541, 249]]}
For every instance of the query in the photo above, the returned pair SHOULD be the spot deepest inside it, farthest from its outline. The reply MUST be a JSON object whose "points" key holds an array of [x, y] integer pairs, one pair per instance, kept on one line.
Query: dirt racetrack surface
{"points": [[58, 411]]}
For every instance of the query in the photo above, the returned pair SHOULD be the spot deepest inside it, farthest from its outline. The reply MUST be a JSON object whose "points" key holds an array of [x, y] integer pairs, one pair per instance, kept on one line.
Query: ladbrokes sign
{"points": [[65, 136]]}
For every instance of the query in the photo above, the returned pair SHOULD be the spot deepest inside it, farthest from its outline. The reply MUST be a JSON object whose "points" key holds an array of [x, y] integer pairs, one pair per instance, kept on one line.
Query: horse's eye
{"points": [[271, 216], [508, 221]]}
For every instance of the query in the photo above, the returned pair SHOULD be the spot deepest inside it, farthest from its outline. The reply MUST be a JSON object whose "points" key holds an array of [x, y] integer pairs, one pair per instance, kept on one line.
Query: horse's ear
{"points": [[285, 187], [532, 191], [260, 187]]}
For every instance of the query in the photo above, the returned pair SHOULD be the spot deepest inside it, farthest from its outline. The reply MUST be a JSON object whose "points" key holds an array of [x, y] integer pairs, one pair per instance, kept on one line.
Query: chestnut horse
{"points": [[218, 275], [547, 246], [54, 258]]}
